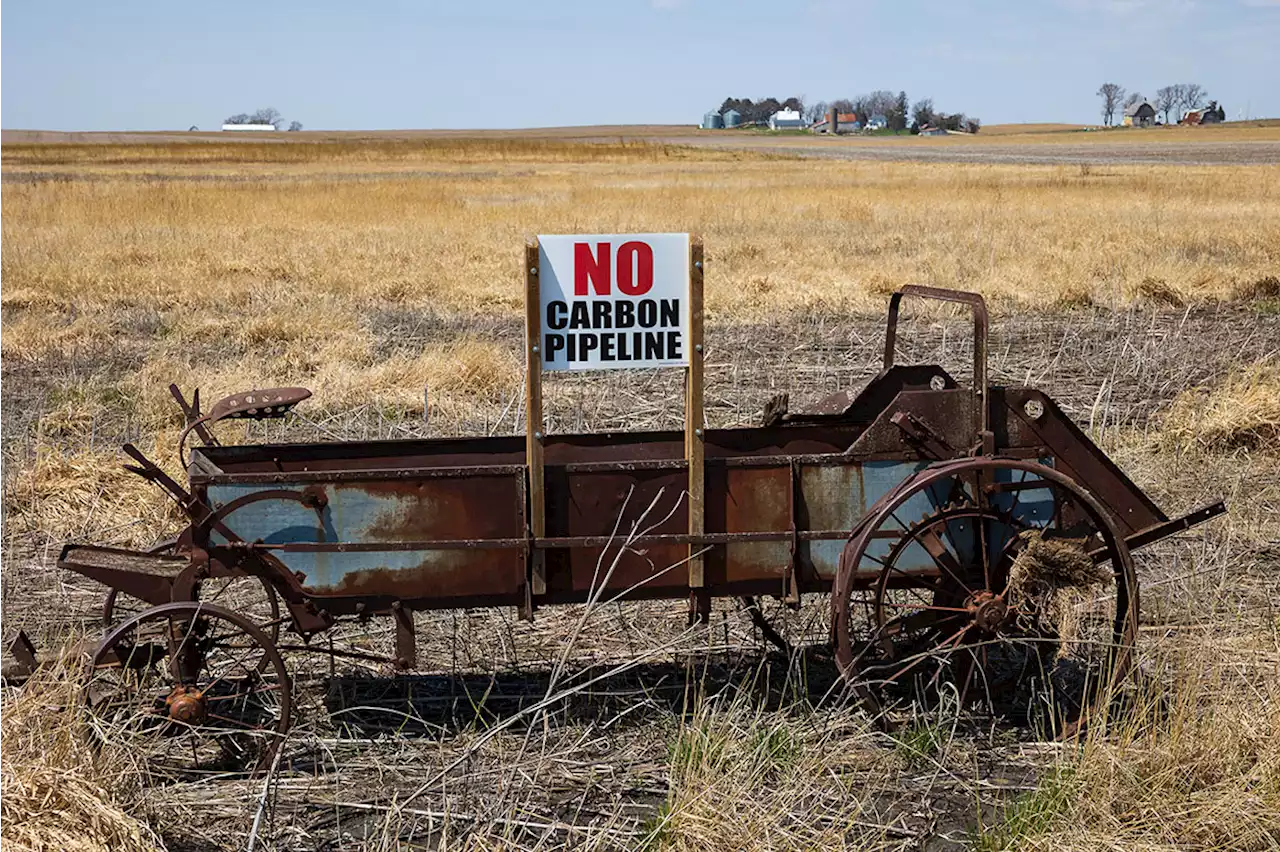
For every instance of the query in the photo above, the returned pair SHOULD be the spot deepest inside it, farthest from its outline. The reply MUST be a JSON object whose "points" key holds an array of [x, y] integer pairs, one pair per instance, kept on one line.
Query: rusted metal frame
{"points": [[362, 475], [25, 658], [980, 324], [406, 636], [792, 580], [191, 414], [694, 438], [312, 499], [1156, 532], [921, 434], [534, 423], [550, 542]]}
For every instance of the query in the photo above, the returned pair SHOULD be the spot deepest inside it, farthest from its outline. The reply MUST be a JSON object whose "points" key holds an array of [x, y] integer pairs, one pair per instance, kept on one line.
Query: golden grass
{"points": [[56, 795], [1192, 763], [1242, 413]]}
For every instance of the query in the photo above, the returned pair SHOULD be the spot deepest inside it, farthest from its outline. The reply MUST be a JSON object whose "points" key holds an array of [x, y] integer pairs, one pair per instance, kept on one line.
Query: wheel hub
{"points": [[989, 611], [186, 705]]}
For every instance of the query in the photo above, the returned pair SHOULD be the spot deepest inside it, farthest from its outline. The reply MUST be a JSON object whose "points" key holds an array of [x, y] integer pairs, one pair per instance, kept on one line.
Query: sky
{"points": [[90, 65]]}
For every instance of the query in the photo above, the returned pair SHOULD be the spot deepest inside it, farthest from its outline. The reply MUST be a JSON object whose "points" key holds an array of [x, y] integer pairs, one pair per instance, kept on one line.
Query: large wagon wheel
{"points": [[192, 688], [999, 593], [252, 596]]}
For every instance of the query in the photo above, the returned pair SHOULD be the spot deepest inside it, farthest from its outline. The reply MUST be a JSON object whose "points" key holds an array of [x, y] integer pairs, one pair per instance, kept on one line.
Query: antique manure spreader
{"points": [[974, 543]]}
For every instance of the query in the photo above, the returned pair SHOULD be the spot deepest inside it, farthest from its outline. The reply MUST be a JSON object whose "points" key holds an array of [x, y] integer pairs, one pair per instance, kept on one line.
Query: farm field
{"points": [[1143, 296]]}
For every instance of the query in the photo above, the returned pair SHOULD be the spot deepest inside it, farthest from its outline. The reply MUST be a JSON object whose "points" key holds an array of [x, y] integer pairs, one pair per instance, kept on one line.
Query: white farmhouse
{"points": [[786, 119]]}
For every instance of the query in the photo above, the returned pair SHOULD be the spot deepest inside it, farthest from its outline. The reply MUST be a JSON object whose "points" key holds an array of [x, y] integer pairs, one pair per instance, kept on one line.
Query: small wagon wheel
{"points": [[191, 687], [263, 607], [999, 591]]}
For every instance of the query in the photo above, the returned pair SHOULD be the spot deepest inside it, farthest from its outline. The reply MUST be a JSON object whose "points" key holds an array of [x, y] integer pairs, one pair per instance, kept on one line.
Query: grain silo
{"points": [[712, 121], [731, 118]]}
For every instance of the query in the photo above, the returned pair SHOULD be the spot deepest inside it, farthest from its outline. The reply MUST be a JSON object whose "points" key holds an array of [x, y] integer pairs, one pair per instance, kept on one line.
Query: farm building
{"points": [[845, 122], [1141, 114], [877, 122], [786, 119], [930, 130], [712, 121], [251, 127], [732, 118]]}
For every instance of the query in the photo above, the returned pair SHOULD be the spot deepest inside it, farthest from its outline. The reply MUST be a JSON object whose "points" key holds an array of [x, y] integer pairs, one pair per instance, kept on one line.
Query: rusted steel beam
{"points": [[694, 426]]}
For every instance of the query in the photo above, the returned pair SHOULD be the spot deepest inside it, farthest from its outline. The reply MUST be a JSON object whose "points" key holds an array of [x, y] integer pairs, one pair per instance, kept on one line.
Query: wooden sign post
{"points": [[612, 301]]}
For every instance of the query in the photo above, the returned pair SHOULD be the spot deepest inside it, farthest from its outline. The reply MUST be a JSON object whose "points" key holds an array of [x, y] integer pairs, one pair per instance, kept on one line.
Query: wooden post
{"points": [[537, 573], [693, 435]]}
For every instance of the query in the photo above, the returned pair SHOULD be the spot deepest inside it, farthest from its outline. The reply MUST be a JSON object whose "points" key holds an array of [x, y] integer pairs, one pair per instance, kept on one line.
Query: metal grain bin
{"points": [[731, 118], [712, 121]]}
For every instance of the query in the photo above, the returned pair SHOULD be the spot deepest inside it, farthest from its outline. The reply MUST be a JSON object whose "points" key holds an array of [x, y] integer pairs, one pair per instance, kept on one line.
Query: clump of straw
{"points": [[1049, 579]]}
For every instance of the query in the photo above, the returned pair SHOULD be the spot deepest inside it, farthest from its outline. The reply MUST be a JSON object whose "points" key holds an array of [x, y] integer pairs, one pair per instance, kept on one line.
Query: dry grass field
{"points": [[1145, 298]]}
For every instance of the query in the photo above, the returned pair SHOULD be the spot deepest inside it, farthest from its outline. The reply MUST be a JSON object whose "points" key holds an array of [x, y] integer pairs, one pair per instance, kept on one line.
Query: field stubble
{"points": [[1137, 297]]}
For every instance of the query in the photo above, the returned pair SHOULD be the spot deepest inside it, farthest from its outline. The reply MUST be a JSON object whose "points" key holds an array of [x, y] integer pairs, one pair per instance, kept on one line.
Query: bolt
{"points": [[533, 270], [697, 348], [537, 436], [698, 432], [535, 348], [698, 264]]}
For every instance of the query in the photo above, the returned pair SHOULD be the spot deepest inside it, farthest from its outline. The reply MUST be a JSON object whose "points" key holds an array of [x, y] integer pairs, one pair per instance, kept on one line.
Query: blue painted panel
{"points": [[388, 513]]}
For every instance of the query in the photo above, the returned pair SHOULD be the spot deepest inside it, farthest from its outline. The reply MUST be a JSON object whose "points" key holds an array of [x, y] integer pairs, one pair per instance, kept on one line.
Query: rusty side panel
{"points": [[745, 500], [595, 503], [391, 521]]}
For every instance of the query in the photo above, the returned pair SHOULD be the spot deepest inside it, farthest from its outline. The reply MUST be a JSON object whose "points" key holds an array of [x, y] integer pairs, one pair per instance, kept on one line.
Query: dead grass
{"points": [[1193, 762], [1241, 413], [55, 794]]}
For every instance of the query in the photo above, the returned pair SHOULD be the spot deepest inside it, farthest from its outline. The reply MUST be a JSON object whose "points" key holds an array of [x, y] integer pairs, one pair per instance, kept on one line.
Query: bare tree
{"points": [[814, 112], [1167, 100], [238, 118], [1112, 94], [295, 125], [1133, 99], [267, 115], [1193, 94]]}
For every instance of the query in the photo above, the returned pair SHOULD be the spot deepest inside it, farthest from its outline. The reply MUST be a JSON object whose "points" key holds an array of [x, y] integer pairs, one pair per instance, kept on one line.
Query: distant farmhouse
{"points": [[877, 122], [834, 122], [1140, 114], [251, 127], [786, 119], [1212, 114]]}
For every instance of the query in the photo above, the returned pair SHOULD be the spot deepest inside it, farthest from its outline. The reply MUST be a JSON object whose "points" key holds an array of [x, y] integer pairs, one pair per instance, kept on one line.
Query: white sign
{"points": [[612, 301]]}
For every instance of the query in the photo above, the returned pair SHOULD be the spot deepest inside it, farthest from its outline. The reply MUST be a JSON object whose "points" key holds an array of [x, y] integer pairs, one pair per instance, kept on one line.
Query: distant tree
{"points": [[267, 115], [1193, 94], [1112, 94], [843, 105], [922, 112], [973, 125], [794, 103], [900, 114], [239, 118], [1167, 100], [815, 111]]}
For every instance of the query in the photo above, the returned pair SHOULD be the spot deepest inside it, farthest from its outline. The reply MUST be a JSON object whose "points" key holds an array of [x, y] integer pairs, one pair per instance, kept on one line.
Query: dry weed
{"points": [[56, 794], [1241, 413]]}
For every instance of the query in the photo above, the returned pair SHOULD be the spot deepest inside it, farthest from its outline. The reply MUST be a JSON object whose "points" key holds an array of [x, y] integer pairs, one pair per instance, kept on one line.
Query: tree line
{"points": [[1170, 100], [267, 115], [900, 114]]}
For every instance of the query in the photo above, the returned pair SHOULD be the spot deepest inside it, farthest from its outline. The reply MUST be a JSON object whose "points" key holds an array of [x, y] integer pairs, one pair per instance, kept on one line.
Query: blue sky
{"points": [[79, 65]]}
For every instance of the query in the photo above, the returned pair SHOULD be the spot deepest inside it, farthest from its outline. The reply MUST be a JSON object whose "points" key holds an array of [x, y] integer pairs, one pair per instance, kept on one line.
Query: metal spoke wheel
{"points": [[997, 586], [191, 688], [251, 596]]}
